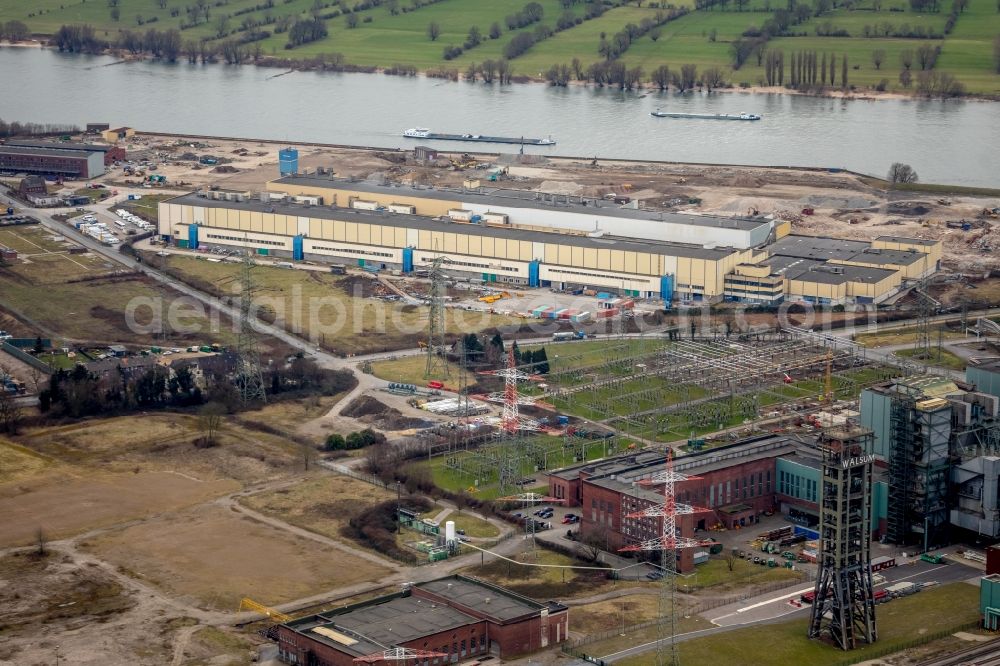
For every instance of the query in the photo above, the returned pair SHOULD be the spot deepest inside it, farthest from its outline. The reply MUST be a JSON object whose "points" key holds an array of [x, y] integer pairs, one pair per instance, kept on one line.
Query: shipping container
{"points": [[460, 214], [362, 204], [880, 563], [402, 209]]}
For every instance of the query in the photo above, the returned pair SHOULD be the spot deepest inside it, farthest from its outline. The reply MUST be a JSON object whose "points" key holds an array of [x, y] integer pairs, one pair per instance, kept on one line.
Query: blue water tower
{"points": [[288, 161]]}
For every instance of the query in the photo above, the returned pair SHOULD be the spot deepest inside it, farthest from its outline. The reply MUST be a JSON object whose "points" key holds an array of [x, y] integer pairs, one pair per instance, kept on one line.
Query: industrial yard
{"points": [[504, 404]]}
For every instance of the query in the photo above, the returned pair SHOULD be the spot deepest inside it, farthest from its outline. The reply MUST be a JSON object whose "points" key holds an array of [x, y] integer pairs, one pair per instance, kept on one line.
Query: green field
{"points": [[934, 612], [382, 39]]}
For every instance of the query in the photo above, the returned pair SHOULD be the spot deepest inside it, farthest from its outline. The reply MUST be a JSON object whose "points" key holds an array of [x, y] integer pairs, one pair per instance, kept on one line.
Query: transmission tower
{"points": [[667, 543], [512, 424], [844, 604], [437, 364], [249, 377]]}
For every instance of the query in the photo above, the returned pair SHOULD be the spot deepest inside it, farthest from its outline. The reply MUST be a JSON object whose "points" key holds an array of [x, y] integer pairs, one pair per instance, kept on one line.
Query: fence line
{"points": [[27, 358]]}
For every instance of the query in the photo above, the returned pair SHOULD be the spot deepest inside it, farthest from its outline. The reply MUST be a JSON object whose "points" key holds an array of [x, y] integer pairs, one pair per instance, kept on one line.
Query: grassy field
{"points": [[906, 336], [381, 39], [321, 306], [323, 503], [455, 480], [938, 358], [556, 581], [45, 285], [899, 622], [147, 207], [408, 370], [715, 574]]}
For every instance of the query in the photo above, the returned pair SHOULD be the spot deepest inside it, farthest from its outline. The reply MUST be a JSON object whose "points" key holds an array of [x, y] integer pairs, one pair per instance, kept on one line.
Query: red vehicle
{"points": [[808, 597], [880, 596], [435, 384]]}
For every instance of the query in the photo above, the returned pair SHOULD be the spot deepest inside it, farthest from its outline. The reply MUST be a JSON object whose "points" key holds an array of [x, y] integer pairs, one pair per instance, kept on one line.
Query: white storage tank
{"points": [[361, 204], [449, 531]]}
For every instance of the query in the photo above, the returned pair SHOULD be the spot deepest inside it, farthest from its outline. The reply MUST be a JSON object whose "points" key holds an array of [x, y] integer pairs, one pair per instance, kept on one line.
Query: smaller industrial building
{"points": [[458, 617], [54, 161], [111, 153], [117, 134], [735, 484]]}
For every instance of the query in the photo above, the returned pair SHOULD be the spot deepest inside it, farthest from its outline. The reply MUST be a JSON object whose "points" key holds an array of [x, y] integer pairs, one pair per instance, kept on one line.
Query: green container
{"points": [[155, 350], [182, 244], [205, 349], [715, 549]]}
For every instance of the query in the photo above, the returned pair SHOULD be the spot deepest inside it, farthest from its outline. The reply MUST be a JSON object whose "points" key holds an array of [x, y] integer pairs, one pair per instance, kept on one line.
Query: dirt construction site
{"points": [[818, 202]]}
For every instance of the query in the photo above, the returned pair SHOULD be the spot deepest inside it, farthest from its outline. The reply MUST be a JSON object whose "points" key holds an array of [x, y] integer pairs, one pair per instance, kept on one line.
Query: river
{"points": [[955, 142]]}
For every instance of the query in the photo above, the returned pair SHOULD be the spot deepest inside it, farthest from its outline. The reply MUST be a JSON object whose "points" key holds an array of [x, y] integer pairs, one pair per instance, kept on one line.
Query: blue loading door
{"points": [[193, 236], [297, 252], [533, 270], [667, 289]]}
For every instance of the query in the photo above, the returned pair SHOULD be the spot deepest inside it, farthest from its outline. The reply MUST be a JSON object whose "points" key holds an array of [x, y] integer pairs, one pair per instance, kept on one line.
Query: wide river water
{"points": [[948, 142]]}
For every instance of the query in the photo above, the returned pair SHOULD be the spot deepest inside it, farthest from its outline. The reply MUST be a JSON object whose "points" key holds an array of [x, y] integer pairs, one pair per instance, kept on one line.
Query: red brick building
{"points": [[462, 618], [51, 161], [111, 153], [736, 484]]}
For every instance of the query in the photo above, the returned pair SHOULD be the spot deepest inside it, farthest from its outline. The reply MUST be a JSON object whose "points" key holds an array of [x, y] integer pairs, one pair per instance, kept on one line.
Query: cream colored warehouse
{"points": [[387, 227]]}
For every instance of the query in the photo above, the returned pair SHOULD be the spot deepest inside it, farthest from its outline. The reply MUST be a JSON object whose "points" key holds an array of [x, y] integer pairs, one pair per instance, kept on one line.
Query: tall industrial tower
{"points": [[249, 377], [844, 606], [668, 543], [511, 425], [437, 364]]}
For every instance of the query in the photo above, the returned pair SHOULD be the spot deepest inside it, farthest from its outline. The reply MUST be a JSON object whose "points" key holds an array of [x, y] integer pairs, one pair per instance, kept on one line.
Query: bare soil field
{"points": [[321, 504], [51, 605], [63, 504], [214, 557], [165, 442]]}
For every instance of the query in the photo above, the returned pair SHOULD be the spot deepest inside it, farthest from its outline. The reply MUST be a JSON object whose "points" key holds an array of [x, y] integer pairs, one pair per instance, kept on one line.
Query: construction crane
{"points": [[250, 604]]}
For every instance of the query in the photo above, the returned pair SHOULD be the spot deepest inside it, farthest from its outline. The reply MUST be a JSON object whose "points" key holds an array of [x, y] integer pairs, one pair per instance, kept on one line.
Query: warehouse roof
{"points": [[529, 199], [42, 152], [490, 600], [435, 224], [821, 248], [370, 628], [62, 145], [796, 268]]}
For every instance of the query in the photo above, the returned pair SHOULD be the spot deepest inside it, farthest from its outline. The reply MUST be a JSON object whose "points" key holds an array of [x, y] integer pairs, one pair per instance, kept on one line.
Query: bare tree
{"points": [[593, 543], [41, 541], [878, 57], [11, 413], [730, 558], [308, 454], [713, 78], [902, 173], [36, 375], [221, 25], [433, 30], [162, 4], [906, 58], [209, 421]]}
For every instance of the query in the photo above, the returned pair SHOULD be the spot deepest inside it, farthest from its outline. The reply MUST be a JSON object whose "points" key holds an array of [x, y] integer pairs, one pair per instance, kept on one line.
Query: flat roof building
{"points": [[458, 617], [556, 212], [51, 162], [111, 153]]}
